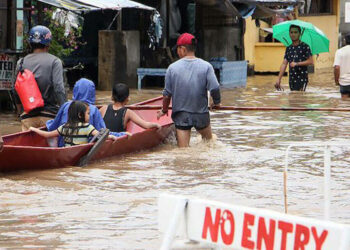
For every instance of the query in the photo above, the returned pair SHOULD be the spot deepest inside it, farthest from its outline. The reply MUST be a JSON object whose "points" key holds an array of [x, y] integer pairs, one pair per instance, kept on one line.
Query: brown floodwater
{"points": [[112, 204]]}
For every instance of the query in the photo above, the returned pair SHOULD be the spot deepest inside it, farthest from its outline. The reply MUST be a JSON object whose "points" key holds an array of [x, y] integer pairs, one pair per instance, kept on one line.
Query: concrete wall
{"points": [[221, 42], [3, 24], [132, 44], [118, 58], [329, 25], [251, 37], [268, 57], [219, 33], [344, 27]]}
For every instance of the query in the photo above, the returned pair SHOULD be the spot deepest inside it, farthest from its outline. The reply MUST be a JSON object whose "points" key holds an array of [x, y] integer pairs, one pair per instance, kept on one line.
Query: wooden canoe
{"points": [[28, 151]]}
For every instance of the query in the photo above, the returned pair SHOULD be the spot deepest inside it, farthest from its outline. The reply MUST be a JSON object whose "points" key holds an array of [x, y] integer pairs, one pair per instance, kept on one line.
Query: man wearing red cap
{"points": [[187, 82]]}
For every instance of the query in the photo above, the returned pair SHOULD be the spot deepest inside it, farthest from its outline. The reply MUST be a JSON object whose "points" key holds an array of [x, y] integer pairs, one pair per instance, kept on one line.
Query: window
{"points": [[314, 7]]}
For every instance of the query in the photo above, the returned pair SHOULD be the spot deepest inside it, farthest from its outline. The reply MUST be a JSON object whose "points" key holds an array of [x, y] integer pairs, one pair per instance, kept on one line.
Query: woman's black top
{"points": [[114, 119]]}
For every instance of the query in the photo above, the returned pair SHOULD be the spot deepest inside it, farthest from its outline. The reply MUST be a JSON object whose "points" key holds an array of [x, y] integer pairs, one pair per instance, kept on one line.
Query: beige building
{"points": [[268, 56]]}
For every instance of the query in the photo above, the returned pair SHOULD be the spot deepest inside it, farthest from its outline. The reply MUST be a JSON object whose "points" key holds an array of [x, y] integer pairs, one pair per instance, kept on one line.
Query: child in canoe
{"points": [[77, 130], [84, 90], [116, 115]]}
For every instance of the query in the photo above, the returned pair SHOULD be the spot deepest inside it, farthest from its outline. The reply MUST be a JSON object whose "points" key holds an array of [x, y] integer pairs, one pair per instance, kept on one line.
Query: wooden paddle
{"points": [[100, 138], [159, 107]]}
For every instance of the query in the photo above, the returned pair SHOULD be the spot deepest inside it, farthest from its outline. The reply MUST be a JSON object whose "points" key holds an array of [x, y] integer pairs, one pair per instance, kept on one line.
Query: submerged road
{"points": [[113, 204]]}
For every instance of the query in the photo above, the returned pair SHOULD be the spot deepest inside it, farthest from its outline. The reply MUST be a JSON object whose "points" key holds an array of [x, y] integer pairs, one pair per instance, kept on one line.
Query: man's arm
{"points": [[165, 106], [58, 84], [337, 63], [336, 74], [309, 61], [166, 102], [280, 75], [214, 87], [166, 95]]}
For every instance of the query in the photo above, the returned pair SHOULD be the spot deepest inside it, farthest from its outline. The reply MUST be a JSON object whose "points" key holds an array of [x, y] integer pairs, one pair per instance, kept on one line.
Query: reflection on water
{"points": [[112, 203]]}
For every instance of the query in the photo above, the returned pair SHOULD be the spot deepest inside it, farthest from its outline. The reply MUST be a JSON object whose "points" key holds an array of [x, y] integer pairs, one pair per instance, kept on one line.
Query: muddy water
{"points": [[112, 204]]}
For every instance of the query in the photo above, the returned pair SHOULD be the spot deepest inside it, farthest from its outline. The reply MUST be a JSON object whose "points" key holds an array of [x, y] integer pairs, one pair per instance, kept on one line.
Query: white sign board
{"points": [[239, 227], [7, 71], [347, 12]]}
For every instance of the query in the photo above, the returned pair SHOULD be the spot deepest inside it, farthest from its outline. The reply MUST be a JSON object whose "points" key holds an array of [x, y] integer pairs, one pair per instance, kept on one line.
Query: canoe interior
{"points": [[27, 150]]}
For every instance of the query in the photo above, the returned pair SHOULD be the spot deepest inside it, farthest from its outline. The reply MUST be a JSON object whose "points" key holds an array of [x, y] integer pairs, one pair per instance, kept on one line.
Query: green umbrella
{"points": [[310, 34]]}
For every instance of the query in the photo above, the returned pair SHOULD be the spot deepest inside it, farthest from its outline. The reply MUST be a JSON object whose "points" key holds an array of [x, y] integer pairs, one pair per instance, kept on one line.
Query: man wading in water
{"points": [[342, 68], [48, 71], [186, 83], [299, 56]]}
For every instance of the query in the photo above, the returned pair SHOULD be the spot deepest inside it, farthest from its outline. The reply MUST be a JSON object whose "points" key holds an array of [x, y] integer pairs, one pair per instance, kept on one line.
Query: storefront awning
{"points": [[255, 8], [269, 2], [224, 6], [93, 5], [265, 8]]}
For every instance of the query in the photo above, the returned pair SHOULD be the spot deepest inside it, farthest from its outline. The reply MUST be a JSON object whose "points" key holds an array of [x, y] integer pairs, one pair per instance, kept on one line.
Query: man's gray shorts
{"points": [[185, 120]]}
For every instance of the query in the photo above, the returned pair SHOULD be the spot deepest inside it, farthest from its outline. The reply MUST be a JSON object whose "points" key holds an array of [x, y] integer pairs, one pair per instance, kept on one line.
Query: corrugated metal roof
{"points": [[269, 2], [90, 5], [225, 6]]}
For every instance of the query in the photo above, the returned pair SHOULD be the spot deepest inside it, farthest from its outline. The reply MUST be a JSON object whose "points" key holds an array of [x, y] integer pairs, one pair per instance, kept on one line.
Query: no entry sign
{"points": [[240, 227]]}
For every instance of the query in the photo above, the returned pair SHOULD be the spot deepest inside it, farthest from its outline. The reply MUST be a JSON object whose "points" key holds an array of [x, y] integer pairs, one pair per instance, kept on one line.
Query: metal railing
{"points": [[327, 169]]}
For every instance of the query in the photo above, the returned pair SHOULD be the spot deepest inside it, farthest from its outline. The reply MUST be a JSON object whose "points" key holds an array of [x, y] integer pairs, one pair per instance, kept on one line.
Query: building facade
{"points": [[267, 56]]}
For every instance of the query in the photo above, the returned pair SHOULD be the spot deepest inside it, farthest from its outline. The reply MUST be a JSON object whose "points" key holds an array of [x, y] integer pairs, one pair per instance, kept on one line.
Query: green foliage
{"points": [[61, 45]]}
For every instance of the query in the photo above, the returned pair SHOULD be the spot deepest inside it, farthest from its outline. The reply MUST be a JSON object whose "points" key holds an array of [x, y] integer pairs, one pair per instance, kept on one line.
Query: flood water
{"points": [[113, 204]]}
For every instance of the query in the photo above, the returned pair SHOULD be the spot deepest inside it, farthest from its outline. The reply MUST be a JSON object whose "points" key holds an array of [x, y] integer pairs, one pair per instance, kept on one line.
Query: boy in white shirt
{"points": [[342, 68]]}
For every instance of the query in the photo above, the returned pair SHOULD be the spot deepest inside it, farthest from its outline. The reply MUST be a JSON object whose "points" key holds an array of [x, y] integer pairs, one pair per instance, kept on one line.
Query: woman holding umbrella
{"points": [[302, 40]]}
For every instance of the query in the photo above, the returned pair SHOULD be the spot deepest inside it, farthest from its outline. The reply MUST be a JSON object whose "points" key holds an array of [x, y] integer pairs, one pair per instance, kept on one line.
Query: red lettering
{"points": [[248, 221], [4, 57], [286, 228], [209, 225], [269, 238], [301, 231], [319, 240], [227, 238]]}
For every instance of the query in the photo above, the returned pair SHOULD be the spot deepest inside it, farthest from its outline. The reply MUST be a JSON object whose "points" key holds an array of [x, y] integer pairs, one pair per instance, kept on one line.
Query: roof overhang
{"points": [[265, 8], [270, 2], [254, 8], [94, 5], [224, 6]]}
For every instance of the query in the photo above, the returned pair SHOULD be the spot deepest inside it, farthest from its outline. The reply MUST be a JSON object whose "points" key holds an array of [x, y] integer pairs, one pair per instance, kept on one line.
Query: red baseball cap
{"points": [[185, 39]]}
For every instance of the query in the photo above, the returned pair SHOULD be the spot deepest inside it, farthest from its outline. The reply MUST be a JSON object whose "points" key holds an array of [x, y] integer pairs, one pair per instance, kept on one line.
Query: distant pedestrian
{"points": [[298, 56], [342, 68], [187, 82], [48, 72]]}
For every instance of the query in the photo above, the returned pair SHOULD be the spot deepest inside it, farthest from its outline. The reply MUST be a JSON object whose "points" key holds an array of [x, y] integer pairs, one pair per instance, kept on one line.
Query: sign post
{"points": [[327, 169], [237, 227]]}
